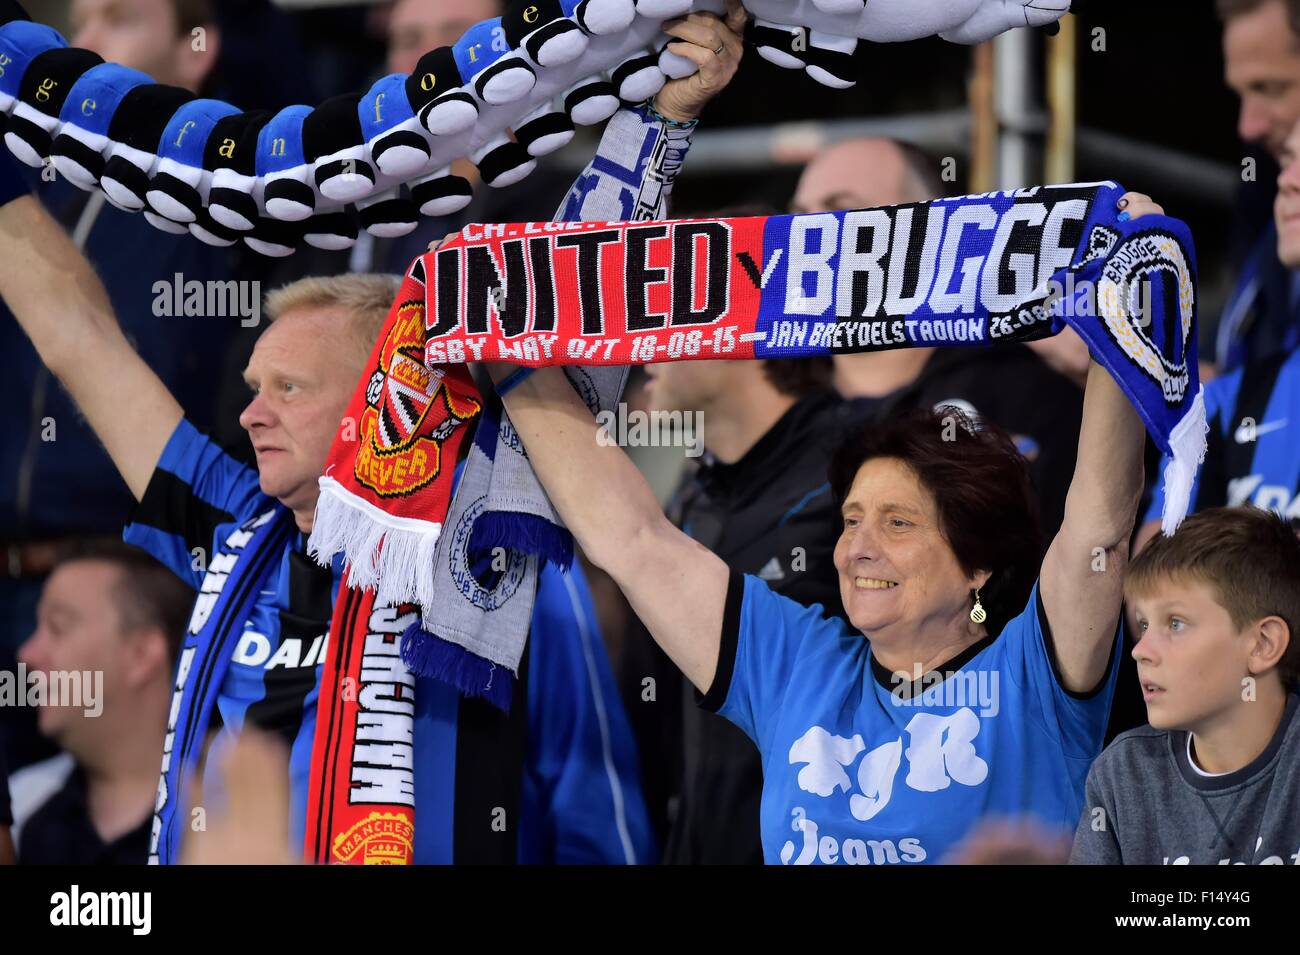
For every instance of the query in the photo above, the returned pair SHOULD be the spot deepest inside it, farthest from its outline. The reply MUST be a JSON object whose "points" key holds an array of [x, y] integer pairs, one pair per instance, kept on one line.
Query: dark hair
{"points": [[1249, 558], [800, 377], [981, 489], [146, 594], [1229, 9]]}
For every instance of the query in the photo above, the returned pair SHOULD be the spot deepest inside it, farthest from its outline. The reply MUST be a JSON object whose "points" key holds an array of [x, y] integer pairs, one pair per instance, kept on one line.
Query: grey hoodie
{"points": [[1146, 803]]}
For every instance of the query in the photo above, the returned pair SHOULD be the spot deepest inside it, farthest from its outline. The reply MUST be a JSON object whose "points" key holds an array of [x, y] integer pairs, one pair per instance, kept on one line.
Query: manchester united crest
{"points": [[409, 412], [382, 838]]}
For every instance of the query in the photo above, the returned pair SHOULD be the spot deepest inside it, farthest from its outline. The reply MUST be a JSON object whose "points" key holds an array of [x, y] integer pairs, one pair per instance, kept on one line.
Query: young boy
{"points": [[1215, 777]]}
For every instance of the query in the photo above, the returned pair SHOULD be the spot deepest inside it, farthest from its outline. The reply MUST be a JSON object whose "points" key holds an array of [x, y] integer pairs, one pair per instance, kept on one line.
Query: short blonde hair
{"points": [[368, 296]]}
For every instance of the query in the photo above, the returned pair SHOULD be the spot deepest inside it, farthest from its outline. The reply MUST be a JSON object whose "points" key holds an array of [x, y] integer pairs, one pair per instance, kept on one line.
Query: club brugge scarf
{"points": [[976, 270], [239, 569]]}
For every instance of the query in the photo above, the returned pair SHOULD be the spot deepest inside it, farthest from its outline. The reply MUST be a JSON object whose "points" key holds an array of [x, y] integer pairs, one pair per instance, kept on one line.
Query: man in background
{"points": [[1252, 453], [1261, 50], [109, 613]]}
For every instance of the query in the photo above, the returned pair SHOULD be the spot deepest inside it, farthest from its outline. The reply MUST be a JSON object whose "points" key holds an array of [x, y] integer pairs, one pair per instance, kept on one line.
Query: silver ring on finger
{"points": [[720, 50]]}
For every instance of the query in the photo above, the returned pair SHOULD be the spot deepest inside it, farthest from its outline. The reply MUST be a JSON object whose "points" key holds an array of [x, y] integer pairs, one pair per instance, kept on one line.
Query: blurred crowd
{"points": [[689, 786]]}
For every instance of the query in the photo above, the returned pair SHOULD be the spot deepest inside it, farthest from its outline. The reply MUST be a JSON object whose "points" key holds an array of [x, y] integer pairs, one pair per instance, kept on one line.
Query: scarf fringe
{"points": [[428, 655], [397, 562], [527, 533], [1187, 446]]}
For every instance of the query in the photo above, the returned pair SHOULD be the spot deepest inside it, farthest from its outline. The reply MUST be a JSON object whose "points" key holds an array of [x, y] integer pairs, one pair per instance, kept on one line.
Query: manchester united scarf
{"points": [[383, 499], [361, 794], [388, 479]]}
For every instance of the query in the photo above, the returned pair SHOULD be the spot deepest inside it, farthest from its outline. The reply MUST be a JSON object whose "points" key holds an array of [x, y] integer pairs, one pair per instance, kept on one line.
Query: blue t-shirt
{"points": [[580, 789], [857, 771]]}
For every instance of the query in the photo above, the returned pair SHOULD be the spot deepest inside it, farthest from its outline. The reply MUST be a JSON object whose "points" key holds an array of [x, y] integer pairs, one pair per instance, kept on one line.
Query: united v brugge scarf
{"points": [[976, 270]]}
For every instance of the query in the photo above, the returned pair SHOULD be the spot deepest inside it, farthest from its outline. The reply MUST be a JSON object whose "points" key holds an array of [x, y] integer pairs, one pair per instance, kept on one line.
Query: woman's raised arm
{"points": [[676, 586], [1083, 573]]}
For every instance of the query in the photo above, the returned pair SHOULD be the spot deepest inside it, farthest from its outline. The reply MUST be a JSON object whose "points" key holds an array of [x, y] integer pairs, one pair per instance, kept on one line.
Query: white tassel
{"points": [[1187, 446], [393, 556]]}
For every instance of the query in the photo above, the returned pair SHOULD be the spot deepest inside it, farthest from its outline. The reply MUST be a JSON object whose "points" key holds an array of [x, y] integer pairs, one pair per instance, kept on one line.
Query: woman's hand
{"points": [[1083, 573], [1138, 204], [714, 44], [436, 244], [1066, 353]]}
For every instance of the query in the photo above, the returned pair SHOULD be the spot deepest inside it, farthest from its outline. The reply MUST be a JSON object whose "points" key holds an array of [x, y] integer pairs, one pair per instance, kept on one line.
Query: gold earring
{"points": [[977, 614]]}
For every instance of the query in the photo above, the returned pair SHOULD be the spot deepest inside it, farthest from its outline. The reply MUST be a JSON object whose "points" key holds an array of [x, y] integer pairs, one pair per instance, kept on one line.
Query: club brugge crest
{"points": [[1148, 276], [476, 573], [409, 413]]}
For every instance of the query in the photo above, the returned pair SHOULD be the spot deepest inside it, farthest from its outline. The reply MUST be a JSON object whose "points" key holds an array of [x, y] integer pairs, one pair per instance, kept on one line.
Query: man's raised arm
{"points": [[61, 304]]}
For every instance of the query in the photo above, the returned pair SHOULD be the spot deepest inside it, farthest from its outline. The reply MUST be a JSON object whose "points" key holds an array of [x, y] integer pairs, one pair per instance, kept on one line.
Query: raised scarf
{"points": [[980, 270], [971, 271]]}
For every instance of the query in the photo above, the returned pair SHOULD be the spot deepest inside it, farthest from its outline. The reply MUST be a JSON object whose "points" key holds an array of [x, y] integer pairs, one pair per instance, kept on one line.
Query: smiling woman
{"points": [[932, 496], [992, 690]]}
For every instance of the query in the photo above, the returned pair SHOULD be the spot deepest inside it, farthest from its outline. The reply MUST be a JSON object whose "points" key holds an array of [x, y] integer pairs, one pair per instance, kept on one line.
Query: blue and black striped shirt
{"points": [[577, 789]]}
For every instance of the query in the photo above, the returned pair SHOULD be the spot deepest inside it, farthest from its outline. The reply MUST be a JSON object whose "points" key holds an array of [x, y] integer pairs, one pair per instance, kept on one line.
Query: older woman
{"points": [[984, 680]]}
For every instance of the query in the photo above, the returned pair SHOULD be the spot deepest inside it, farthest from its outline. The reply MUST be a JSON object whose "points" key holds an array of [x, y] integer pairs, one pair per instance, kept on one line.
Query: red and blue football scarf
{"points": [[971, 271], [384, 497]]}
